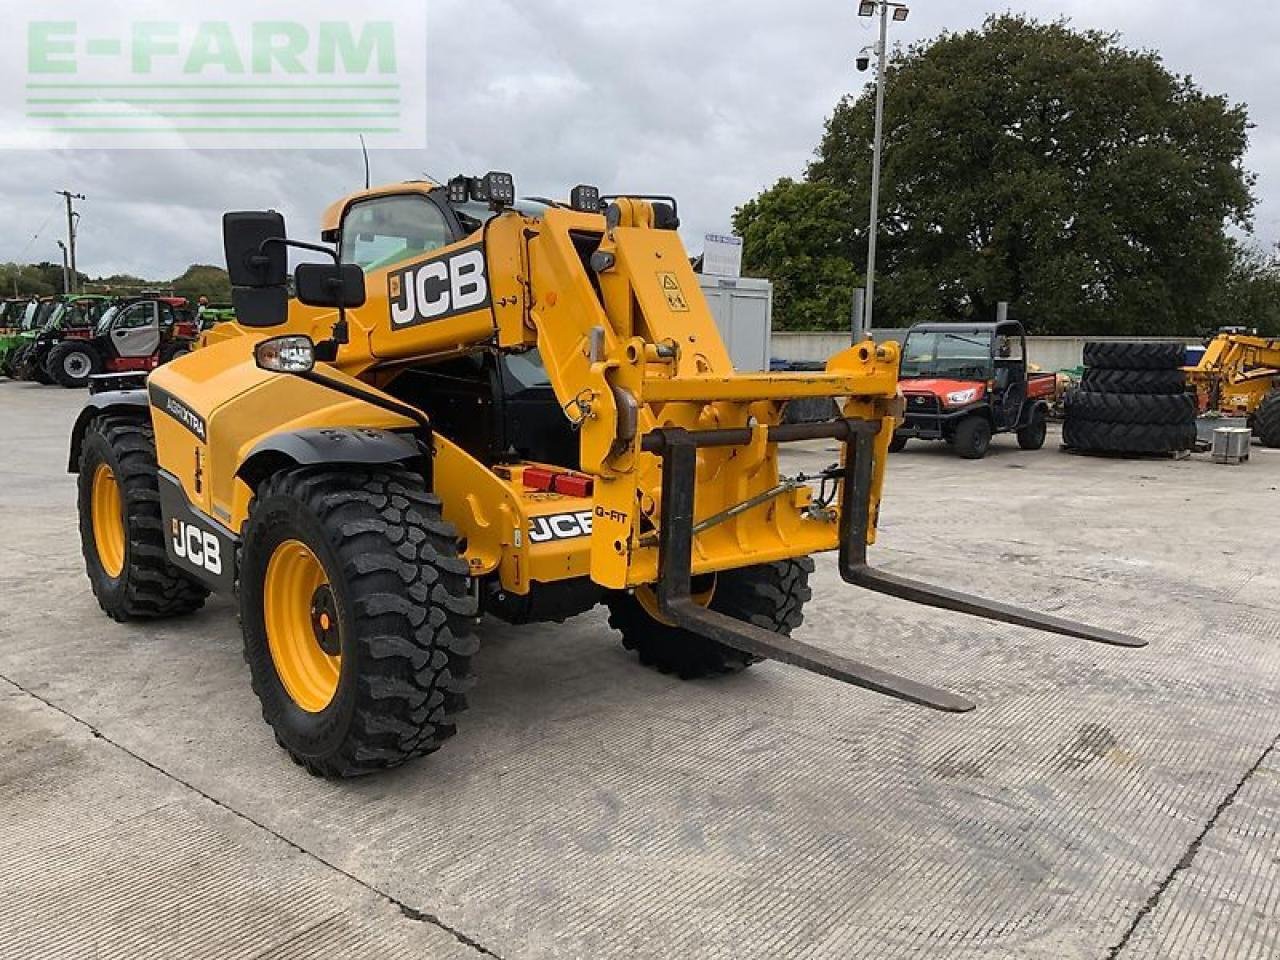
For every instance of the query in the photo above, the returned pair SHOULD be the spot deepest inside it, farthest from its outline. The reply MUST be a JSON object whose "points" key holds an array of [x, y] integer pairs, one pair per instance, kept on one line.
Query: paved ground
{"points": [[1100, 803]]}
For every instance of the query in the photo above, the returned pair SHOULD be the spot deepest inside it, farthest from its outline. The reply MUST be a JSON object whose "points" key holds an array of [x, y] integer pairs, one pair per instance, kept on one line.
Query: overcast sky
{"points": [[709, 101]]}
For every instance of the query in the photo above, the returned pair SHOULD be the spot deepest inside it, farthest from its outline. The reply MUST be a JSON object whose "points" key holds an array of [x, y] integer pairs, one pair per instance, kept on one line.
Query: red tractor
{"points": [[965, 382], [135, 334]]}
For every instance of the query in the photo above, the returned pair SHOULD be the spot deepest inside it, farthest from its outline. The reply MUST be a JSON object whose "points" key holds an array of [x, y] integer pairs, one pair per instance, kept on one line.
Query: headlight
{"points": [[961, 397], [292, 354]]}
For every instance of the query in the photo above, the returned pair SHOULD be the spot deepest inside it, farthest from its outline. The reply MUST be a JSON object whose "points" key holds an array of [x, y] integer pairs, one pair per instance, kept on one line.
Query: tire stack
{"points": [[1132, 399]]}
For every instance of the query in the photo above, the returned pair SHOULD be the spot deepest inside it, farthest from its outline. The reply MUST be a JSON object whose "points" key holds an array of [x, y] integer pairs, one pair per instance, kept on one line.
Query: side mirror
{"points": [[261, 307], [330, 284], [251, 261]]}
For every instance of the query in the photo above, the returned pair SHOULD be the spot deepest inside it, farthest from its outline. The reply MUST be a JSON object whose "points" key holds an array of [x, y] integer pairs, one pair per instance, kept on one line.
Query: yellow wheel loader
{"points": [[1239, 375], [474, 404]]}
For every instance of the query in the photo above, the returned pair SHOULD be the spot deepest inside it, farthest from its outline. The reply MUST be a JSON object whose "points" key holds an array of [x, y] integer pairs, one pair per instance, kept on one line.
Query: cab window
{"points": [[382, 232], [138, 315]]}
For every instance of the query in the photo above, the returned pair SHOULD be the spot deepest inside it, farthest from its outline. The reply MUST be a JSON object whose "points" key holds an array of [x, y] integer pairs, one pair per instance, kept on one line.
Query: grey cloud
{"points": [[708, 101]]}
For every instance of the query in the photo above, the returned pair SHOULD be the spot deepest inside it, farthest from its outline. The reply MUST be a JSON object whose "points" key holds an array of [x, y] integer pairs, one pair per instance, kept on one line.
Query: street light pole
{"points": [[885, 9], [876, 147]]}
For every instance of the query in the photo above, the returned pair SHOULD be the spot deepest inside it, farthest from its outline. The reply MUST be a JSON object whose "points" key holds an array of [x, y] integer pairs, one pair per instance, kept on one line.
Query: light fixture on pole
{"points": [[871, 8]]}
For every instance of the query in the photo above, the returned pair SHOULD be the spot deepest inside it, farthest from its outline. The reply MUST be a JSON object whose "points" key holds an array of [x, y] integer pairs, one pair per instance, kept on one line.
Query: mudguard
{"points": [[133, 402], [336, 445]]}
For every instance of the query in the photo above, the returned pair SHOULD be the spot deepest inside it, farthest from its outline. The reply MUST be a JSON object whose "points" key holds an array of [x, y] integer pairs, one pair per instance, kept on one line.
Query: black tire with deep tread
{"points": [[403, 597], [1130, 408], [1134, 355], [1266, 420], [55, 365], [972, 438], [149, 587], [1134, 381], [1097, 437], [770, 595]]}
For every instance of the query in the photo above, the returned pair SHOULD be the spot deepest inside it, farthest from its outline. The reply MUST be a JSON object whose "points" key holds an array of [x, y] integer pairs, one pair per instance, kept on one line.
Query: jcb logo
{"points": [[438, 289], [560, 526], [197, 547]]}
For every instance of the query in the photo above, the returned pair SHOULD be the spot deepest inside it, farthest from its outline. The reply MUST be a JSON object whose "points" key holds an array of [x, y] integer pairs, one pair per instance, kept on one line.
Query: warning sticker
{"points": [[671, 290]]}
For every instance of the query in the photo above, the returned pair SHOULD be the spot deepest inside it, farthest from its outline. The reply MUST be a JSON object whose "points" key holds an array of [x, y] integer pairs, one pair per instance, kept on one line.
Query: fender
{"points": [[336, 445], [1029, 412], [129, 402]]}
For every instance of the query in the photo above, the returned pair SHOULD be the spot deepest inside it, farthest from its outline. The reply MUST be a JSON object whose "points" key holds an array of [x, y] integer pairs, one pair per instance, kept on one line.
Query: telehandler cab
{"points": [[487, 405]]}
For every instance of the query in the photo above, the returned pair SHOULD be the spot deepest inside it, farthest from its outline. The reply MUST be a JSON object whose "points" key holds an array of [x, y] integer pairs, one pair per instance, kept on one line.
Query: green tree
{"points": [[813, 283], [1082, 182], [1250, 293]]}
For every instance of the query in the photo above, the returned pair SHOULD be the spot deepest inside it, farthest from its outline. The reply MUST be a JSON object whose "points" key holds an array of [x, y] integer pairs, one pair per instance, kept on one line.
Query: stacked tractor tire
{"points": [[1132, 399]]}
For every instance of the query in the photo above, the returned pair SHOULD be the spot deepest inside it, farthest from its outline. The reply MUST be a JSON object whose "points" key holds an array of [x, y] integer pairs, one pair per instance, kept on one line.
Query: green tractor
{"points": [[15, 340], [12, 312], [74, 315]]}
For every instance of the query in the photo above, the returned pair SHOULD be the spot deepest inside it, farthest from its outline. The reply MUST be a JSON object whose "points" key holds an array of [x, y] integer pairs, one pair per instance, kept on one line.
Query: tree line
{"points": [[45, 279]]}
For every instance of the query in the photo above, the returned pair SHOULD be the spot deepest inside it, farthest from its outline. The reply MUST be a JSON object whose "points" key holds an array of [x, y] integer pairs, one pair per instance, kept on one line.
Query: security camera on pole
{"points": [[884, 9]]}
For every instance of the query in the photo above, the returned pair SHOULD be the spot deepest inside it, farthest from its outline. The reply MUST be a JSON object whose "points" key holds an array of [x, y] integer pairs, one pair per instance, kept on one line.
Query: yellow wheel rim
{"points": [[108, 521], [301, 620], [704, 588]]}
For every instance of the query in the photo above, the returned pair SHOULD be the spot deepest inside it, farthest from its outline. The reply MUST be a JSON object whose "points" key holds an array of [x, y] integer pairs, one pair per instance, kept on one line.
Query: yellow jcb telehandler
{"points": [[480, 405], [1239, 375]]}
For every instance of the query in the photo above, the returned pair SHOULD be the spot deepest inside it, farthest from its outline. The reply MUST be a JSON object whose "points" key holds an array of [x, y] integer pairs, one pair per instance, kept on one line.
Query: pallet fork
{"points": [[678, 449]]}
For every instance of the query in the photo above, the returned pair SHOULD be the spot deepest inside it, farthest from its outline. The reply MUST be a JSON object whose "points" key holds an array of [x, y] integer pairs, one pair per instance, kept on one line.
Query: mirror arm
{"points": [[341, 329]]}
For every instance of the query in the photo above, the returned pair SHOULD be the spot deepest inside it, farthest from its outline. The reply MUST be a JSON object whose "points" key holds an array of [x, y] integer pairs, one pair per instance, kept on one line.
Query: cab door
{"points": [[136, 331]]}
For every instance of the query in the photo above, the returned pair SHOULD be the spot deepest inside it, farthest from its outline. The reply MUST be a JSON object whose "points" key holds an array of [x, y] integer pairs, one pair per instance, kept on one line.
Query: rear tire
{"points": [[121, 529], [71, 364], [771, 595], [973, 438], [1134, 355], [1134, 381], [381, 680], [1032, 436], [1131, 408], [1096, 437], [1266, 421]]}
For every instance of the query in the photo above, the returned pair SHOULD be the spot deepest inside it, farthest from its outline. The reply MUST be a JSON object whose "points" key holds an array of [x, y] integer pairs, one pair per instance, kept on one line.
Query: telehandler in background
{"points": [[1239, 376], [481, 405]]}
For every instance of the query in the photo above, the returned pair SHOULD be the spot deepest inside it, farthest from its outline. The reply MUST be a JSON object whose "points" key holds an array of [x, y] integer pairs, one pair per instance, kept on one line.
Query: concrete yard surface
{"points": [[1099, 803]]}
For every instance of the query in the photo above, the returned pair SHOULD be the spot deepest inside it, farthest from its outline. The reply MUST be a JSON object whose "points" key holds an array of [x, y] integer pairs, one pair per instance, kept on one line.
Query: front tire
{"points": [[973, 438], [898, 443], [71, 364], [1266, 420], [771, 595], [357, 618], [121, 529]]}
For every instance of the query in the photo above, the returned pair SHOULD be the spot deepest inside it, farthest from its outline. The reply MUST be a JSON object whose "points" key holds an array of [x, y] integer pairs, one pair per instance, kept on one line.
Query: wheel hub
{"points": [[76, 365], [324, 620]]}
